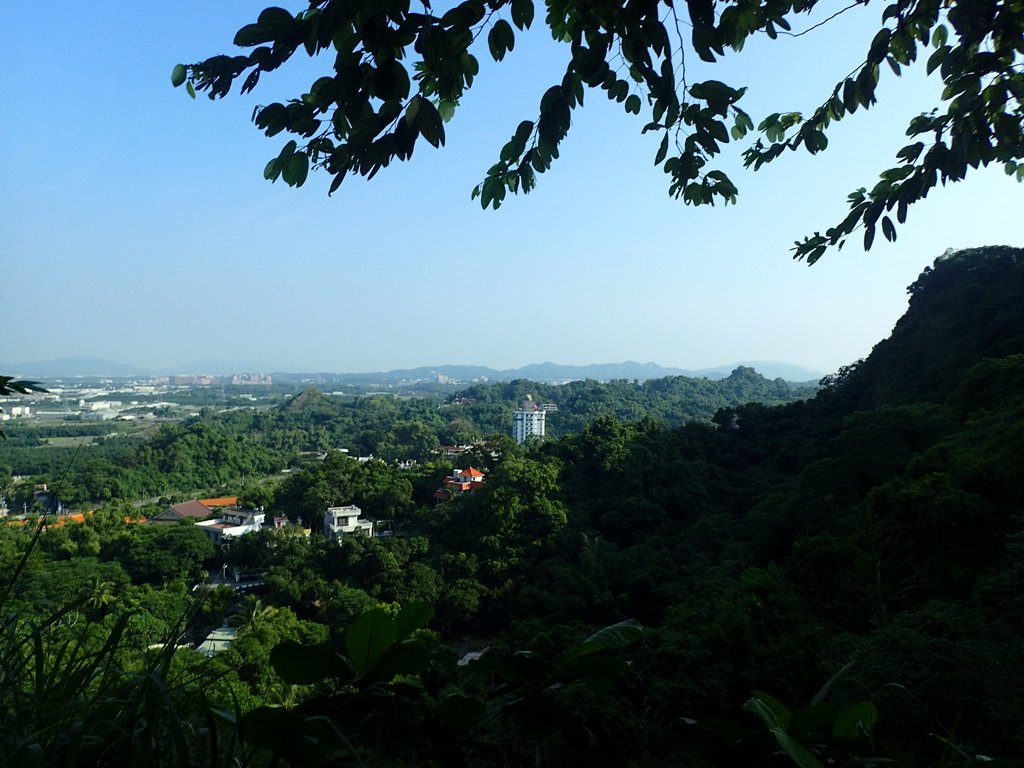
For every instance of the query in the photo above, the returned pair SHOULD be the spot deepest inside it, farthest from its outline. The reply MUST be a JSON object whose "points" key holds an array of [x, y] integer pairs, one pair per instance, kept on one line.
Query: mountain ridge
{"points": [[543, 371]]}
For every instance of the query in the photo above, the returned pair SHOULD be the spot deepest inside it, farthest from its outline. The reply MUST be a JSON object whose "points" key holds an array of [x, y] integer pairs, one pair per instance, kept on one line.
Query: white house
{"points": [[234, 522], [342, 521]]}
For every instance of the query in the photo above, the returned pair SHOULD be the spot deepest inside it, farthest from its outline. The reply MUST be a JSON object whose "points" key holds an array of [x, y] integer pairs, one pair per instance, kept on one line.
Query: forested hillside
{"points": [[226, 450], [671, 401], [859, 556]]}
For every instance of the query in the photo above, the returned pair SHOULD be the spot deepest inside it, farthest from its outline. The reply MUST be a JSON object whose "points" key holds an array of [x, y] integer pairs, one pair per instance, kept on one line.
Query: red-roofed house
{"points": [[187, 510], [459, 481]]}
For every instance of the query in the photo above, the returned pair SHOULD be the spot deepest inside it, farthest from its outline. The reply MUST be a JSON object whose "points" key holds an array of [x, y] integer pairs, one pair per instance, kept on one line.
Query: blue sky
{"points": [[135, 224]]}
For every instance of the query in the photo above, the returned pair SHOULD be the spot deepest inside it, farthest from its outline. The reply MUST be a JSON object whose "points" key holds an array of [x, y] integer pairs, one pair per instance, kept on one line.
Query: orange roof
{"points": [[221, 501], [469, 472], [77, 517], [57, 521]]}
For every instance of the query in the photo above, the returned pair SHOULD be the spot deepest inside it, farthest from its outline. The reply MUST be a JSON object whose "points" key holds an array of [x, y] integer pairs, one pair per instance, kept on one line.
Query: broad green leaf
{"points": [[296, 169], [662, 150], [616, 636], [408, 658], [598, 671], [880, 45], [178, 75], [267, 727], [856, 720], [446, 109], [522, 13], [800, 755], [460, 712], [412, 616], [306, 664], [771, 711], [501, 39], [370, 635], [812, 720], [888, 229], [277, 18]]}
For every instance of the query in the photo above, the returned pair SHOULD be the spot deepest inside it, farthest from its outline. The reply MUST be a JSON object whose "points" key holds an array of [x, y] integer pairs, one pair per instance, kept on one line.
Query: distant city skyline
{"points": [[136, 226]]}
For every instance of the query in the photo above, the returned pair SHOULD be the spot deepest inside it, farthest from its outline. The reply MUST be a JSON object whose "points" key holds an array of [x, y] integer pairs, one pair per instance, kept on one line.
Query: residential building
{"points": [[186, 510], [342, 521], [459, 481], [232, 523], [528, 421]]}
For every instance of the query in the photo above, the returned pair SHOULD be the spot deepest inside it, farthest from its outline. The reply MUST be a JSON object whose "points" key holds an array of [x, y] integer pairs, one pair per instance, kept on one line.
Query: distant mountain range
{"points": [[543, 372]]}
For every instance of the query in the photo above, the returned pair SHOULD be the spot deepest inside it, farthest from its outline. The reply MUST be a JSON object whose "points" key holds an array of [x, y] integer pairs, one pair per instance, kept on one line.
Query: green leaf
{"points": [[522, 13], [296, 169], [598, 671], [411, 617], [190, 89], [862, 716], [429, 123], [776, 717], [268, 727], [178, 74], [446, 109], [800, 755], [616, 636], [633, 104], [937, 57], [879, 46], [460, 712], [501, 39], [370, 635], [888, 229], [271, 24], [772, 712], [662, 150], [9, 385], [408, 658], [307, 664], [523, 132]]}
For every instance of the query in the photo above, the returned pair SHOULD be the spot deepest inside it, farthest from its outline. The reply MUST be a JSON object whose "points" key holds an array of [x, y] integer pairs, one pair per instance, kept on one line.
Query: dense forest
{"points": [[832, 581]]}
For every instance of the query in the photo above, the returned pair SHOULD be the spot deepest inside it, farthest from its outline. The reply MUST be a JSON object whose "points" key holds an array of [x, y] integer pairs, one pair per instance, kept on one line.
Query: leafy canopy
{"points": [[398, 75]]}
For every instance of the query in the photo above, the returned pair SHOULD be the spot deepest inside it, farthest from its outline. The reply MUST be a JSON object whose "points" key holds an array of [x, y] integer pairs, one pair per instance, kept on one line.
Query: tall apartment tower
{"points": [[528, 421]]}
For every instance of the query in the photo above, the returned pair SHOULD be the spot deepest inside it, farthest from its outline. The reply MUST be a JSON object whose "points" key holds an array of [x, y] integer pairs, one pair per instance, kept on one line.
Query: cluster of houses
{"points": [[232, 522], [222, 519]]}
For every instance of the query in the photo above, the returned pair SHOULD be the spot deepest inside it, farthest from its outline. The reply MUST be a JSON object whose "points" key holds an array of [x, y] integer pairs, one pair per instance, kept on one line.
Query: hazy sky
{"points": [[135, 224]]}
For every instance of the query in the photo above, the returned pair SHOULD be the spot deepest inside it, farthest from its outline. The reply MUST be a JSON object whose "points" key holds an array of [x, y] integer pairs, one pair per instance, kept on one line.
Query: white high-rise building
{"points": [[528, 421]]}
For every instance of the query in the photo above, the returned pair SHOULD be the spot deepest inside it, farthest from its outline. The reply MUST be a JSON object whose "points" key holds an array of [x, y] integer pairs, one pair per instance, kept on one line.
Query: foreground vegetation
{"points": [[857, 556]]}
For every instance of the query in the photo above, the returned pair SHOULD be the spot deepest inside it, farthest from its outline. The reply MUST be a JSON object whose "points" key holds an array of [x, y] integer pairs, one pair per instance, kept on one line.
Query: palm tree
{"points": [[98, 594], [250, 613]]}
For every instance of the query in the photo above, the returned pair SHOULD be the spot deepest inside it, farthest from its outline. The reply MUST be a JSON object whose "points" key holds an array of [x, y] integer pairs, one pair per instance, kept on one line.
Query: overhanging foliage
{"points": [[399, 74]]}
